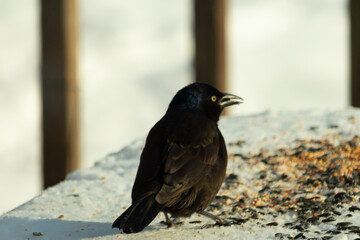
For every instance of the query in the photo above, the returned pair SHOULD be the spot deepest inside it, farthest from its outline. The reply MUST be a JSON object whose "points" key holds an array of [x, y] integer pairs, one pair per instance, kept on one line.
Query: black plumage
{"points": [[184, 160]]}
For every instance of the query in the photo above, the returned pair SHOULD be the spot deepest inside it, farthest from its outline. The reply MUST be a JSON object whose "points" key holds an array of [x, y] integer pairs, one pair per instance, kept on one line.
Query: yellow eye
{"points": [[213, 98]]}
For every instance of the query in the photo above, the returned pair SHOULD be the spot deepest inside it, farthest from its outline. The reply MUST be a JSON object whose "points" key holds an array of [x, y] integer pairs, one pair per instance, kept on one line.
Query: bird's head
{"points": [[203, 98]]}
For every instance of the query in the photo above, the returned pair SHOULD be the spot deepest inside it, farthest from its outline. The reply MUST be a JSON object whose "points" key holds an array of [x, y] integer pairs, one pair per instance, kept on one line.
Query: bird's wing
{"points": [[193, 147], [176, 154], [189, 136], [148, 178], [196, 139]]}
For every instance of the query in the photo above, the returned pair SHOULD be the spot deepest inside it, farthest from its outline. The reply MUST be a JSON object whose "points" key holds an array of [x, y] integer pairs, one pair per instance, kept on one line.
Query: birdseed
{"points": [[312, 182]]}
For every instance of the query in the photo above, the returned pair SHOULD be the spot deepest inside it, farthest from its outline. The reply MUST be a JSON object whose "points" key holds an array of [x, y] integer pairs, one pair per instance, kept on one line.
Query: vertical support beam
{"points": [[210, 42], [60, 138], [355, 52]]}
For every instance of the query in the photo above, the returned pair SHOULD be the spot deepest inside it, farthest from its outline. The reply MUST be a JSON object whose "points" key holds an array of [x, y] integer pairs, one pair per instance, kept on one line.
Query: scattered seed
{"points": [[315, 180], [354, 208], [272, 224]]}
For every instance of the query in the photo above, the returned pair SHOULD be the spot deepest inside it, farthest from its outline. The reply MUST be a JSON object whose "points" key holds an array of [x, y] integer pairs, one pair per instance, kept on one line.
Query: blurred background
{"points": [[134, 55]]}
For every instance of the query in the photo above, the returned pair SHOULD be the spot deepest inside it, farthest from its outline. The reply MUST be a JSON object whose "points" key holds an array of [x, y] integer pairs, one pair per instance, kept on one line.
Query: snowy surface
{"points": [[85, 205]]}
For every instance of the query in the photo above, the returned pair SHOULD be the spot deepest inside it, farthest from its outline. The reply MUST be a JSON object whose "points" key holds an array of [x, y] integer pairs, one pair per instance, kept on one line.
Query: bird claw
{"points": [[205, 226], [219, 221], [217, 224], [168, 224], [171, 223]]}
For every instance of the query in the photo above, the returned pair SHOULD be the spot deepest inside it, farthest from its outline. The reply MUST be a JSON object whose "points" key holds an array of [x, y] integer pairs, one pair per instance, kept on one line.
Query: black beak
{"points": [[230, 99]]}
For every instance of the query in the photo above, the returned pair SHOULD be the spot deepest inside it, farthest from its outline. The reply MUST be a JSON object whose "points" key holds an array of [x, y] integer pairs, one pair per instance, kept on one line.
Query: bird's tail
{"points": [[138, 215]]}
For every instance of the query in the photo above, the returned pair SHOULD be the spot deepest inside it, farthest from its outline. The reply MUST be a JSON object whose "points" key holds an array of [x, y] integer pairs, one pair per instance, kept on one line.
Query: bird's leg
{"points": [[217, 219], [168, 221], [171, 223]]}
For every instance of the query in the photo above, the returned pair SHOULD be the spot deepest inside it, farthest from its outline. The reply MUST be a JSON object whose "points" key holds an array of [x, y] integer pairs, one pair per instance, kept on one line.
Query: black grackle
{"points": [[184, 160]]}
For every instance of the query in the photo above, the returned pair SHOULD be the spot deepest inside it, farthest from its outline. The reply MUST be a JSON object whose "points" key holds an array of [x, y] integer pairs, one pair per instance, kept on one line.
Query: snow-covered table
{"points": [[264, 150]]}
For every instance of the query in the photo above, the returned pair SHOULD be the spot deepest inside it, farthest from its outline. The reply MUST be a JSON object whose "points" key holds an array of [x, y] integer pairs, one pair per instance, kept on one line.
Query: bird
{"points": [[183, 162]]}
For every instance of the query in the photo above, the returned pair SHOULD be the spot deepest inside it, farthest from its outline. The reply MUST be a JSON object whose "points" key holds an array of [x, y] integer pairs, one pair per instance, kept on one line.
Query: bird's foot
{"points": [[171, 223], [219, 221]]}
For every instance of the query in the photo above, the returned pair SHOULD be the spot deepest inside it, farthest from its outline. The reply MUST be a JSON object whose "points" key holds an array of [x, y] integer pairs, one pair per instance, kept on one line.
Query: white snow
{"points": [[85, 205]]}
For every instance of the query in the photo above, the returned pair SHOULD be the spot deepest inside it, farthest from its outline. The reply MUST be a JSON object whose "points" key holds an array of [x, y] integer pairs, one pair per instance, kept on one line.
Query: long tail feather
{"points": [[138, 215]]}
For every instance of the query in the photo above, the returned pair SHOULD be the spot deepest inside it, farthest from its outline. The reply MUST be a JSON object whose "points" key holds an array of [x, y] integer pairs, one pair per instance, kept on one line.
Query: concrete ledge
{"points": [[87, 202]]}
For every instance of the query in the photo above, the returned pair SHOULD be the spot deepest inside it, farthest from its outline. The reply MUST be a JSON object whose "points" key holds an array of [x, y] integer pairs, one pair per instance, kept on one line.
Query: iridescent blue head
{"points": [[203, 98]]}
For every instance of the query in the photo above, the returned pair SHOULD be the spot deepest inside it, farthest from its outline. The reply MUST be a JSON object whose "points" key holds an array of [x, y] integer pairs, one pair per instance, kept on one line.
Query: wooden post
{"points": [[210, 45], [355, 52], [60, 143]]}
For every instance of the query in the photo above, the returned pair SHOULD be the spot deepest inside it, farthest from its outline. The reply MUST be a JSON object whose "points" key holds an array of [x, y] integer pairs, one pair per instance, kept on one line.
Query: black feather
{"points": [[138, 215]]}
